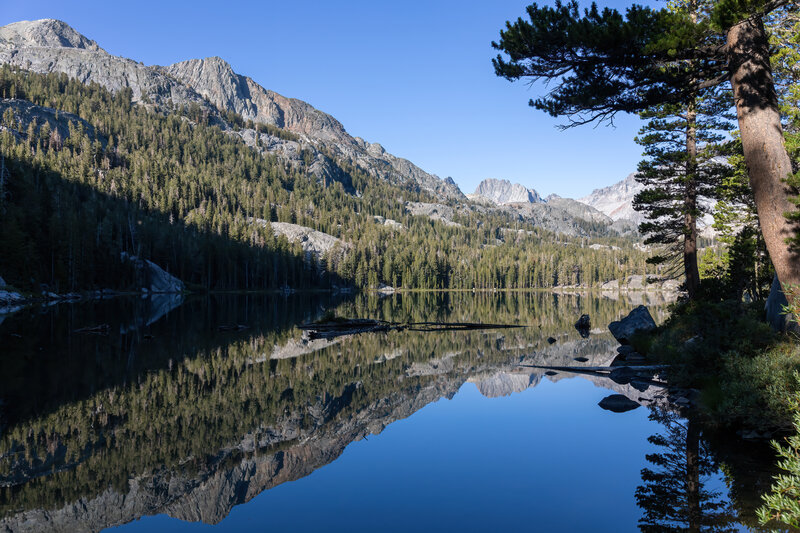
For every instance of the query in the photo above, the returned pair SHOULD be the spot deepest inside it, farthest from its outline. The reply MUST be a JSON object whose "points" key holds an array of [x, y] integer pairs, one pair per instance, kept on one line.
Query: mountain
{"points": [[562, 215], [49, 45], [616, 200], [227, 185], [504, 192]]}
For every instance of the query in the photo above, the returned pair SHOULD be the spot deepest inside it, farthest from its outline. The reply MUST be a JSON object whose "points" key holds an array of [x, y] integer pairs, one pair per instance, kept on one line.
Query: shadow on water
{"points": [[169, 415]]}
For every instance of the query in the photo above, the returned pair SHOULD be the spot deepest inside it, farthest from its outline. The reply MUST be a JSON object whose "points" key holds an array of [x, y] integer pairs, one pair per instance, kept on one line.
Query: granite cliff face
{"points": [[504, 192], [49, 45], [616, 200]]}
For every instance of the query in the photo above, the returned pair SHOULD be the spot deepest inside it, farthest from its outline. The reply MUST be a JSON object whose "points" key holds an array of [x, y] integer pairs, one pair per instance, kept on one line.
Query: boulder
{"points": [[385, 289], [774, 308], [551, 340], [152, 277], [2, 282], [617, 403], [584, 326], [637, 321]]}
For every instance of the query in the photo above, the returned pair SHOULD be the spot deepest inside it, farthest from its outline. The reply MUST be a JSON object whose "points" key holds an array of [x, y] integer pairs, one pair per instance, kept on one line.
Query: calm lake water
{"points": [[166, 423]]}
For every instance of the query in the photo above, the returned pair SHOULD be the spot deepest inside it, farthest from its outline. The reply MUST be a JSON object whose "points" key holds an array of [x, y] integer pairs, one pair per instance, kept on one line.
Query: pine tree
{"points": [[602, 63], [681, 175]]}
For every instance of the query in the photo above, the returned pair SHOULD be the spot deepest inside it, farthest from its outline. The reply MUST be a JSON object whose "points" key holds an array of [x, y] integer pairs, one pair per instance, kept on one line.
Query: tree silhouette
{"points": [[673, 496]]}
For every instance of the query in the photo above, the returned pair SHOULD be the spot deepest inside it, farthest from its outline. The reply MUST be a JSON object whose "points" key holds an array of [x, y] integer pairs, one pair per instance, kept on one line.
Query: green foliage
{"points": [[782, 503], [784, 28], [742, 367], [675, 177], [603, 62], [792, 309]]}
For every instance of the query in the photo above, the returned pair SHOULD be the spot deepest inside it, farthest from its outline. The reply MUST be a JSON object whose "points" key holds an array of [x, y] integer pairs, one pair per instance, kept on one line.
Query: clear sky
{"points": [[415, 76]]}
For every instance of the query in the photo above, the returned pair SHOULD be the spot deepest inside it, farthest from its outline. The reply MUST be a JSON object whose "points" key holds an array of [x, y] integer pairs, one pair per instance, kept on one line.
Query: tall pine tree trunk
{"points": [[690, 204], [693, 487], [768, 163]]}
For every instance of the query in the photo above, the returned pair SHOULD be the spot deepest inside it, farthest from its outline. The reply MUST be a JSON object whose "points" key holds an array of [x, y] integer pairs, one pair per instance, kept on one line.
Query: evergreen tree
{"points": [[680, 144], [602, 62]]}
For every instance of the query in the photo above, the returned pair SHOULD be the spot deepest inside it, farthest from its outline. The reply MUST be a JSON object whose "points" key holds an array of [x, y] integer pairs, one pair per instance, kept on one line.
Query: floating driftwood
{"points": [[101, 329], [335, 328], [606, 371], [232, 327]]}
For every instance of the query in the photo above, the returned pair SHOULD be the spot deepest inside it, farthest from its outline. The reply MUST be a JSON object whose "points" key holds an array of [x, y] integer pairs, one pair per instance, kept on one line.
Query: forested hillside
{"points": [[86, 175]]}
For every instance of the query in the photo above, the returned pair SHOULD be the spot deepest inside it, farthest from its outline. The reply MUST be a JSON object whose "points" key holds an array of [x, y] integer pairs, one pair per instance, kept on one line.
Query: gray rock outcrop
{"points": [[152, 277], [504, 192], [314, 243], [638, 321], [616, 200]]}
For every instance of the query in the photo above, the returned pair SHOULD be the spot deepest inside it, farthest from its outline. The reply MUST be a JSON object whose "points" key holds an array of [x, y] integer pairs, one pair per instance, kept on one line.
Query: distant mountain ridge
{"points": [[616, 200], [211, 84], [50, 45], [553, 212]]}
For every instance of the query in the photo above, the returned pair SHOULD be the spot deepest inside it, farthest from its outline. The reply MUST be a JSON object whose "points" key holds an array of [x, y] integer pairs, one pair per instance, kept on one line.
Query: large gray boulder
{"points": [[776, 301], [638, 320], [154, 278]]}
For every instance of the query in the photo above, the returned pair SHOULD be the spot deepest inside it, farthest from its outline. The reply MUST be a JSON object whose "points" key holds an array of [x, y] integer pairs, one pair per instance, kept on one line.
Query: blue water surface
{"points": [[545, 459]]}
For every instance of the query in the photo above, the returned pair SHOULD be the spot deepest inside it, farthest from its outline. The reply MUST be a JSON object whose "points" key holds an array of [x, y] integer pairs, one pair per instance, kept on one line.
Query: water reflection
{"points": [[167, 414], [676, 493]]}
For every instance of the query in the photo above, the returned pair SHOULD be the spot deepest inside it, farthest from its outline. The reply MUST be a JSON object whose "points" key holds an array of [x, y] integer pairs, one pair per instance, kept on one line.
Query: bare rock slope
{"points": [[49, 45]]}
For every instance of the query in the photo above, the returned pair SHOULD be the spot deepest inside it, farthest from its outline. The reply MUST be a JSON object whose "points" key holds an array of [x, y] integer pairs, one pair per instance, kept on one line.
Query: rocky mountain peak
{"points": [[46, 33], [214, 78], [616, 200], [504, 192]]}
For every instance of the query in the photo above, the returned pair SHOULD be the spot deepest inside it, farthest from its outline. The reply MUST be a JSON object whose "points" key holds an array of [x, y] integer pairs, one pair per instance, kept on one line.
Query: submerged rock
{"points": [[618, 403], [638, 320], [584, 326]]}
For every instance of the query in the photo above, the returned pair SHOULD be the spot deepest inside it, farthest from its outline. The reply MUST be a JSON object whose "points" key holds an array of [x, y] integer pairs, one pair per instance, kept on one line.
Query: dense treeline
{"points": [[176, 187]]}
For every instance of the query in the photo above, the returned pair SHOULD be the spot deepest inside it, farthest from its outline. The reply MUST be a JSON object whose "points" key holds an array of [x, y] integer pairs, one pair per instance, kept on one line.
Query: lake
{"points": [[218, 414]]}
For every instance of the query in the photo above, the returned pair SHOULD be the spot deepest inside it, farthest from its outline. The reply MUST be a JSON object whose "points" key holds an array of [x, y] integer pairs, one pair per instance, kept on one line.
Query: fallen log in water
{"points": [[607, 372], [597, 369]]}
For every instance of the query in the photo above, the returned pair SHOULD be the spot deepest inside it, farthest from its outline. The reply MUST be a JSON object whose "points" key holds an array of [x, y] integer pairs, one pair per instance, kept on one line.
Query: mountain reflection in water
{"points": [[167, 414]]}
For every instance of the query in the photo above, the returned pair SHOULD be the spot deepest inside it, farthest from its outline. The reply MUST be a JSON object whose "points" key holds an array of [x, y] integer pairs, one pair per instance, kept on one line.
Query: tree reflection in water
{"points": [[675, 494]]}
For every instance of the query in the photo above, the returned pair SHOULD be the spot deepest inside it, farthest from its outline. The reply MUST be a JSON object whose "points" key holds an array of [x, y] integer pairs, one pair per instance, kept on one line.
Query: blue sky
{"points": [[414, 76]]}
